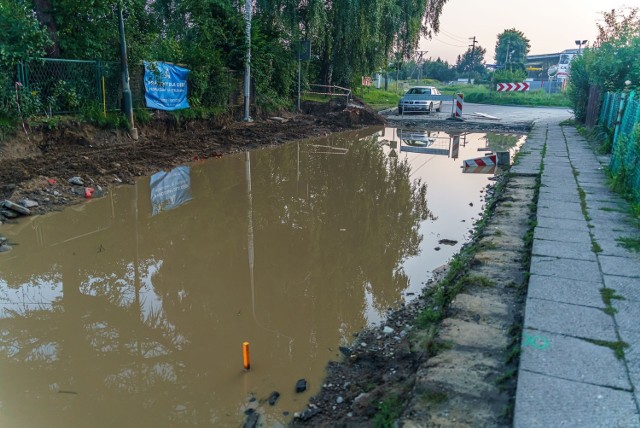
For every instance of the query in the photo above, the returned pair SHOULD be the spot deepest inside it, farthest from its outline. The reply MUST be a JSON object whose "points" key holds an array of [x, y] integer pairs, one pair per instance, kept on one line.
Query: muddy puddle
{"points": [[134, 307]]}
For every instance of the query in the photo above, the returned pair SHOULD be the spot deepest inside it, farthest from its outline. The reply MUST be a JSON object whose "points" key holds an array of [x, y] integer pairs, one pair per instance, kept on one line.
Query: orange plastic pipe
{"points": [[245, 355]]}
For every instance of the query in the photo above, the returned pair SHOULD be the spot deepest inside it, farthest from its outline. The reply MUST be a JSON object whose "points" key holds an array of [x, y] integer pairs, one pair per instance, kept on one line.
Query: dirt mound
{"points": [[37, 164]]}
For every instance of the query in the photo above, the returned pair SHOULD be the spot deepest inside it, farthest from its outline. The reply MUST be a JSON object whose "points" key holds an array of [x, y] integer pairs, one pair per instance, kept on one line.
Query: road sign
{"points": [[513, 87], [366, 80], [303, 50]]}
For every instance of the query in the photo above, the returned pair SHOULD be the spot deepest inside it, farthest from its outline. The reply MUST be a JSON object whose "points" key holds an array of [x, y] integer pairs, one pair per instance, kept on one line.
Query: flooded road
{"points": [[134, 307]]}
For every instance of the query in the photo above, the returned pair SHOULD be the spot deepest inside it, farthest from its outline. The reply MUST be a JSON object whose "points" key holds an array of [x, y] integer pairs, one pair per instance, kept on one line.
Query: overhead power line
{"points": [[449, 44], [453, 35]]}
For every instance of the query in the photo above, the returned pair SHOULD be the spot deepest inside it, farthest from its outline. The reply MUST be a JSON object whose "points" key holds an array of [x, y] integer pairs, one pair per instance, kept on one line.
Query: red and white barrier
{"points": [[490, 160], [512, 87], [459, 103], [479, 169]]}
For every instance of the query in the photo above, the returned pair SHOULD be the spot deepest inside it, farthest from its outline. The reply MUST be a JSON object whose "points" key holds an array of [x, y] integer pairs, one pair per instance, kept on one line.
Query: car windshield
{"points": [[419, 91]]}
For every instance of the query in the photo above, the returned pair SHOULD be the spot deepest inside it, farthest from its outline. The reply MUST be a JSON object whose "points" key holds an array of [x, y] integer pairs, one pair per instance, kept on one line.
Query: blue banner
{"points": [[170, 189], [165, 86]]}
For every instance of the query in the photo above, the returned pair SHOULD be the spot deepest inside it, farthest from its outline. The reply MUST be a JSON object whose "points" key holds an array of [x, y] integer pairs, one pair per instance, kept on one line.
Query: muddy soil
{"points": [[37, 163]]}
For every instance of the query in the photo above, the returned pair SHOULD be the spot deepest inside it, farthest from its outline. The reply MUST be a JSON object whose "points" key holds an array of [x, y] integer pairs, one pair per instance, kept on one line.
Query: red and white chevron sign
{"points": [[513, 87], [490, 160]]}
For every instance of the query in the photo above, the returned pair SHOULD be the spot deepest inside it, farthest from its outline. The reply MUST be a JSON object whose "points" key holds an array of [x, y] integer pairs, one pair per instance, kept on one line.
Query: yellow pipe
{"points": [[104, 99]]}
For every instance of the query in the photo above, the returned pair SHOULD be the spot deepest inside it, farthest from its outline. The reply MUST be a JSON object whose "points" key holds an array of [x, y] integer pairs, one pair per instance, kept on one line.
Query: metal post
{"points": [[299, 78], [126, 89], [247, 65], [619, 117]]}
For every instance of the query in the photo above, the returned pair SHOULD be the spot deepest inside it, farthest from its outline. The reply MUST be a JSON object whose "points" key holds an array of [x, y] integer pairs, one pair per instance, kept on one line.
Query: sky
{"points": [[550, 25]]}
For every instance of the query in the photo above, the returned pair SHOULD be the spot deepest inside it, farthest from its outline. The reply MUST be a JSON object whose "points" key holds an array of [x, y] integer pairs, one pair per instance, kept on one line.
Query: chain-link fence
{"points": [[56, 86], [60, 86], [621, 114]]}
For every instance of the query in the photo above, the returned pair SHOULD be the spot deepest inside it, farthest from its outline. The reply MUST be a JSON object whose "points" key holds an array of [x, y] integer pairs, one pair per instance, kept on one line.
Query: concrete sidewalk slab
{"points": [[570, 250], [578, 236], [555, 210], [572, 359], [629, 288], [562, 223], [562, 290], [620, 266], [546, 401], [579, 270], [569, 320]]}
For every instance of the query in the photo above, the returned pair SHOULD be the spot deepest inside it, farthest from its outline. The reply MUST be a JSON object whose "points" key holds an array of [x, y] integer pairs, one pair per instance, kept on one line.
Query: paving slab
{"points": [[579, 270], [548, 195], [629, 288], [569, 250], [584, 293], [561, 210], [562, 223], [572, 359], [576, 236], [620, 266], [627, 315], [632, 357], [546, 401], [570, 320]]}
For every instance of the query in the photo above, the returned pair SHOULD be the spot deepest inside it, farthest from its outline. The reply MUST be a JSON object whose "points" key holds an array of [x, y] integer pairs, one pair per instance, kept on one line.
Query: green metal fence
{"points": [[621, 114], [68, 86]]}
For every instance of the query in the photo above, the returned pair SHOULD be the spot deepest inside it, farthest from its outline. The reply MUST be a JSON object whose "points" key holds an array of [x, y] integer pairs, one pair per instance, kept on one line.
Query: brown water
{"points": [[131, 310]]}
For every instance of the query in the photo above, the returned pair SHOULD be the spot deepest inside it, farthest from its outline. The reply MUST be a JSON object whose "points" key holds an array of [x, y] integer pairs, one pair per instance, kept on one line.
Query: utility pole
{"points": [[506, 59], [126, 88], [247, 65], [420, 62], [473, 51]]}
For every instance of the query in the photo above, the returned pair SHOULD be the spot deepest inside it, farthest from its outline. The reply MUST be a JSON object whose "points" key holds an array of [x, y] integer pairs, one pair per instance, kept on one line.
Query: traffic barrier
{"points": [[483, 161], [459, 102], [512, 87], [489, 169]]}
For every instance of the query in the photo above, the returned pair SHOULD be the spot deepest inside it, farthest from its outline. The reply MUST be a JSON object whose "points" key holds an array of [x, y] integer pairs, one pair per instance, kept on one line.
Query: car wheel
{"points": [[439, 109], [430, 109], [399, 110]]}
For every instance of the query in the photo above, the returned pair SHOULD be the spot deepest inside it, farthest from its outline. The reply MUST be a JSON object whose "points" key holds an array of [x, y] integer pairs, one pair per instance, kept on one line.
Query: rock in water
{"points": [[301, 386], [273, 398]]}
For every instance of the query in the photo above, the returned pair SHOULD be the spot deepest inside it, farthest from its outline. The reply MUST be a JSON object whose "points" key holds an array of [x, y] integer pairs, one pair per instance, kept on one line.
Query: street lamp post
{"points": [[580, 43]]}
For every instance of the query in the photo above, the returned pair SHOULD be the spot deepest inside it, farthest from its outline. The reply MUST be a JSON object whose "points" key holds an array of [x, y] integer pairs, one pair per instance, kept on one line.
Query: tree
{"points": [[512, 49], [472, 62], [438, 69], [611, 62]]}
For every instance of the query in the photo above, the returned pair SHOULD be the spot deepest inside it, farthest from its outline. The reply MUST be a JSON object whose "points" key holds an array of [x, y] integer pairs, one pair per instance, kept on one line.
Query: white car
{"points": [[419, 99]]}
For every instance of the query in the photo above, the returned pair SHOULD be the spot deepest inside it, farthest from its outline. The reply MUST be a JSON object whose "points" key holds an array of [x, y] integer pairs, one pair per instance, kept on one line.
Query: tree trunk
{"points": [[45, 14]]}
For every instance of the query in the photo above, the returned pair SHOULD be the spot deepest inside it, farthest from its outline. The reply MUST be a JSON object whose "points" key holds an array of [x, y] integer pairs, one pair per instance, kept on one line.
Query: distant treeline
{"points": [[348, 39]]}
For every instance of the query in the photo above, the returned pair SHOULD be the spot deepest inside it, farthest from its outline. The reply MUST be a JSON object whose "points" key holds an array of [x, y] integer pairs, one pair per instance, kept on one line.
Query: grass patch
{"points": [[379, 99], [483, 95], [389, 411], [595, 247], [435, 397], [617, 347], [486, 244], [609, 294], [632, 244], [506, 377], [479, 280]]}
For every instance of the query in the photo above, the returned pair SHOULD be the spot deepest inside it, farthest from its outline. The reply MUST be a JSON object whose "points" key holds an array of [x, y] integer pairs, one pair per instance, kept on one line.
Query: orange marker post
{"points": [[245, 355]]}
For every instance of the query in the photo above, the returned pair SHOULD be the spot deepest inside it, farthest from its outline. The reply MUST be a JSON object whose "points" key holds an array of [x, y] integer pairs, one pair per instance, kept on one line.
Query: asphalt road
{"points": [[505, 115]]}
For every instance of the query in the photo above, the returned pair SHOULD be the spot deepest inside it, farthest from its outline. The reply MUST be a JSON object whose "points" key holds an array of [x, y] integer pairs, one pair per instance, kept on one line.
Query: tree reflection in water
{"points": [[149, 326]]}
